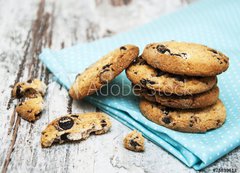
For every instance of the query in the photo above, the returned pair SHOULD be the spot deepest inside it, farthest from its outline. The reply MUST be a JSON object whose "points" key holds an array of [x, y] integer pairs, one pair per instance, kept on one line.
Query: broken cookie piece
{"points": [[134, 141], [31, 95], [30, 108], [75, 127], [28, 89]]}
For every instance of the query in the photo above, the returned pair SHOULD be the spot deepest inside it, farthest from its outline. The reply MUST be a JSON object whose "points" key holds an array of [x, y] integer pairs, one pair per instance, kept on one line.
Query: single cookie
{"points": [[30, 108], [185, 58], [134, 141], [103, 71], [75, 127], [182, 102], [191, 120], [29, 88], [143, 74]]}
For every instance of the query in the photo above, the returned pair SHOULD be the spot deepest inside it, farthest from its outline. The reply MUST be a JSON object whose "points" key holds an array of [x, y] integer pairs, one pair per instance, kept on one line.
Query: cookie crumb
{"points": [[134, 141]]}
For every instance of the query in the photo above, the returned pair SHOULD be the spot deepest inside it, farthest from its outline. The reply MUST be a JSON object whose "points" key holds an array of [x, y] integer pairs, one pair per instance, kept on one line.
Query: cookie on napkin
{"points": [[103, 71]]}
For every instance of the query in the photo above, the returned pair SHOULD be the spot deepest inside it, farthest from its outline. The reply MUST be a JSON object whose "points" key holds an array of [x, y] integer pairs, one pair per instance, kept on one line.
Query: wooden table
{"points": [[26, 27]]}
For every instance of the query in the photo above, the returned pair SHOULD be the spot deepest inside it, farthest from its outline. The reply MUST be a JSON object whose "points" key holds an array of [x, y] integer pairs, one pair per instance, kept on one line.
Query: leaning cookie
{"points": [[29, 88], [139, 72], [75, 127], [134, 141], [30, 108], [182, 102], [185, 58], [192, 120], [103, 71]]}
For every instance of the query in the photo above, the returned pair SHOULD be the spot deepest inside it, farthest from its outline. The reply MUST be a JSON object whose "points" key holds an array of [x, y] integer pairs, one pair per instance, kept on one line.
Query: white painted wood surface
{"points": [[26, 27]]}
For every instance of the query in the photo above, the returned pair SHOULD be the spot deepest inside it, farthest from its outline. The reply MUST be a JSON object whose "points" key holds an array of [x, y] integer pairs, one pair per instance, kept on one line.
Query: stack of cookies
{"points": [[178, 84]]}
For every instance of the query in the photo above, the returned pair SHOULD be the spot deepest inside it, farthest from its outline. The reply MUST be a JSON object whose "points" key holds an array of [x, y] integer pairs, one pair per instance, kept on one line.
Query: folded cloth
{"points": [[214, 23]]}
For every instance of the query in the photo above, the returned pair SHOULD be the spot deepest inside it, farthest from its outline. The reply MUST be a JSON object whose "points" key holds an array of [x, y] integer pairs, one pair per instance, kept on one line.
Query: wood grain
{"points": [[28, 27]]}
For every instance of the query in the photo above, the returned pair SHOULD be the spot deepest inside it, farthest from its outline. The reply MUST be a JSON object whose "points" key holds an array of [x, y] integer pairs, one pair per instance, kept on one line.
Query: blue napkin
{"points": [[215, 23]]}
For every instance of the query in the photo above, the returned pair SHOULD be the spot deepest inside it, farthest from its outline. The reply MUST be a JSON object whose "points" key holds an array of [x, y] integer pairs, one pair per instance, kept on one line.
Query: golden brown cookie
{"points": [[75, 127], [31, 95], [30, 108], [191, 120], [182, 102], [183, 58], [103, 71], [134, 141], [143, 74], [29, 88]]}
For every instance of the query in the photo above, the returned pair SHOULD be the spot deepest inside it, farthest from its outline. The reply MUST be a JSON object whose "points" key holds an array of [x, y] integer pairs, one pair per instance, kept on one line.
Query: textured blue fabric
{"points": [[215, 23]]}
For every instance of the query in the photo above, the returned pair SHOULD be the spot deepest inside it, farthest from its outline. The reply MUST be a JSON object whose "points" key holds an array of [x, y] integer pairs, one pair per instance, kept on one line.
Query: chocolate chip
{"points": [[166, 110], [191, 122], [146, 81], [64, 137], [65, 123], [75, 116], [162, 49], [123, 48], [218, 122], [134, 143], [18, 92], [29, 81], [213, 51], [225, 61], [183, 54], [106, 66], [103, 123], [29, 111], [166, 120]]}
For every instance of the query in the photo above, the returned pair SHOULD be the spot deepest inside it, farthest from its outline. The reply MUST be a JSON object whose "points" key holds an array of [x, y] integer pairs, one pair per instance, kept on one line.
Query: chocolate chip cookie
{"points": [[29, 88], [139, 72], [182, 102], [75, 127], [103, 71], [30, 108], [31, 95], [192, 120], [134, 141], [185, 58]]}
